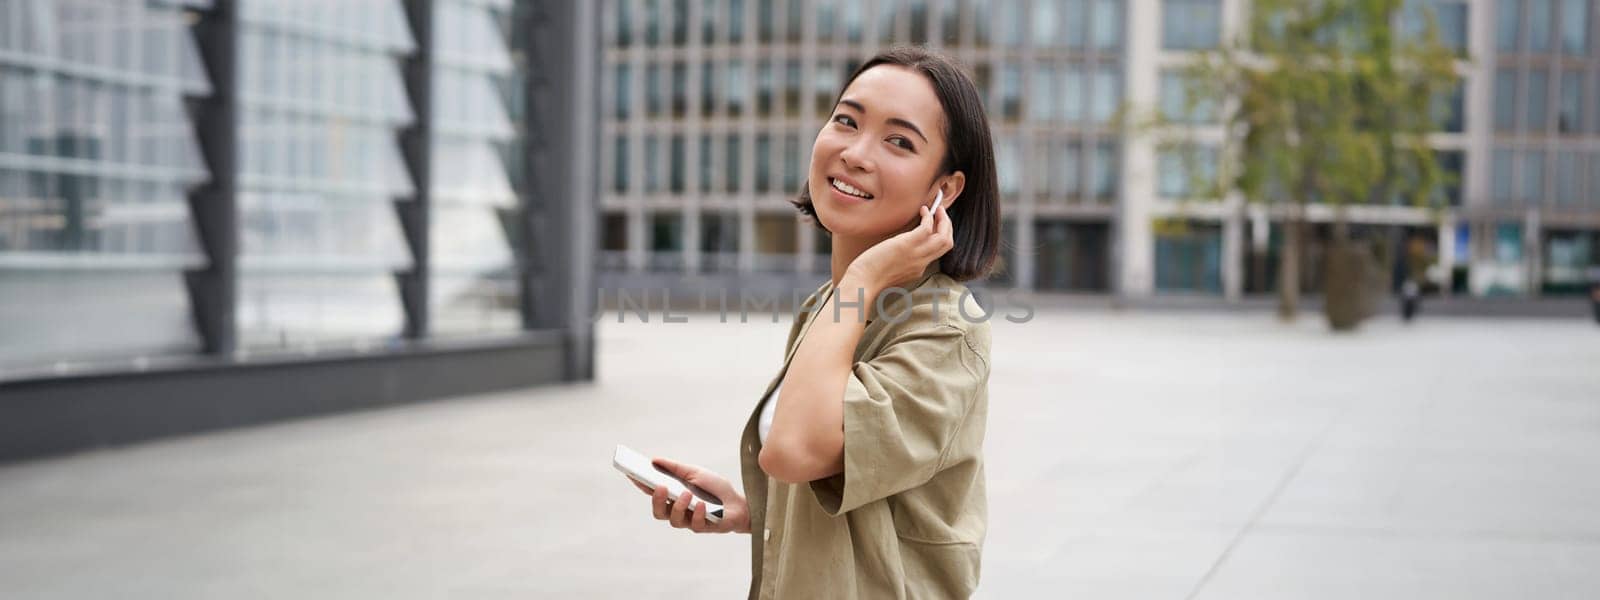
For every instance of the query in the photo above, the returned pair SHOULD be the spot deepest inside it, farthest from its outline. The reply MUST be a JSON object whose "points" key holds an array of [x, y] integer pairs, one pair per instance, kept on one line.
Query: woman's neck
{"points": [[845, 251]]}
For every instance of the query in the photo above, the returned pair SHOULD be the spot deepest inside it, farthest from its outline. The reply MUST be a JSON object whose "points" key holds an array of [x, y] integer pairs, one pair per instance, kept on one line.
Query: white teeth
{"points": [[850, 189]]}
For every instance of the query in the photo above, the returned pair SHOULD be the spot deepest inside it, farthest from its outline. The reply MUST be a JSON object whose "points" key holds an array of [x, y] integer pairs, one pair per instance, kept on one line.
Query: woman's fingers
{"points": [[697, 521], [658, 503], [680, 510]]}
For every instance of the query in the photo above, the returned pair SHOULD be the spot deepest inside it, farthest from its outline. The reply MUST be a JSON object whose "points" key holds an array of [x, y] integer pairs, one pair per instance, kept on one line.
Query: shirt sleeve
{"points": [[902, 409]]}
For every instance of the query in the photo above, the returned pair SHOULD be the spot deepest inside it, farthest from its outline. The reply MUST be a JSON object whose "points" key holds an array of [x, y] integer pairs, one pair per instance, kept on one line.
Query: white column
{"points": [[1135, 244], [1233, 249]]}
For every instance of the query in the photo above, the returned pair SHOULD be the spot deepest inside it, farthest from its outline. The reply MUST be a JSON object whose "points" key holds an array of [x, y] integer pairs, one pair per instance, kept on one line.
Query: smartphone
{"points": [[638, 467]]}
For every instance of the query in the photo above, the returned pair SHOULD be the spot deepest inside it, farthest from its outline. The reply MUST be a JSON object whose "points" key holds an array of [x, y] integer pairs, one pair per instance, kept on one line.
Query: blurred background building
{"points": [[713, 106], [345, 203]]}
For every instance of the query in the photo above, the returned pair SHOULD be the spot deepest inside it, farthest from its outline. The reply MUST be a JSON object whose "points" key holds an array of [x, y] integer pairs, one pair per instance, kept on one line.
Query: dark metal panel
{"points": [[416, 147], [561, 204], [213, 290], [53, 416]]}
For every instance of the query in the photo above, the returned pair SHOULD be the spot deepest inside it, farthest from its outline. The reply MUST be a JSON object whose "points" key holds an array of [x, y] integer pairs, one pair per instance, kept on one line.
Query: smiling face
{"points": [[877, 159]]}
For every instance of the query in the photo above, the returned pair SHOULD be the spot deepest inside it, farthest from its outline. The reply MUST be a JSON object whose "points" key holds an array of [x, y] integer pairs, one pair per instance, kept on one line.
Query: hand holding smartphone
{"points": [[639, 468]]}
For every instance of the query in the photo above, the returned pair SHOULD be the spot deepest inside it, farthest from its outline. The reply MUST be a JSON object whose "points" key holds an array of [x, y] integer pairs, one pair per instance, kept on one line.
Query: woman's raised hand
{"points": [[688, 512], [902, 257]]}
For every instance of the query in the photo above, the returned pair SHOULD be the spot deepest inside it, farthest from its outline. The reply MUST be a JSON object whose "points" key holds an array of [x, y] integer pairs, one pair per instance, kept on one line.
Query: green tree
{"points": [[1326, 101]]}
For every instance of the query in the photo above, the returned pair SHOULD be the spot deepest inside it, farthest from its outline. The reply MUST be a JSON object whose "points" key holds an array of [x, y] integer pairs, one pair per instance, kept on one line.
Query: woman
{"points": [[863, 462]]}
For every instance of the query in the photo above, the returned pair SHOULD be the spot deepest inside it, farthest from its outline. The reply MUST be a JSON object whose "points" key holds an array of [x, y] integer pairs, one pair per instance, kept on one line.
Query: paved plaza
{"points": [[1148, 455]]}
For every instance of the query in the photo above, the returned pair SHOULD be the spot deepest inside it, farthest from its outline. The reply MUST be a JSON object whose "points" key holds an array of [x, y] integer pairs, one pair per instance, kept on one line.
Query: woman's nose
{"points": [[855, 155]]}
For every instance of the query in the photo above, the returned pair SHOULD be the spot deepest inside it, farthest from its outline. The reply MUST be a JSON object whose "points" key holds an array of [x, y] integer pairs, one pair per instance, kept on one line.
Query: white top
{"points": [[771, 408]]}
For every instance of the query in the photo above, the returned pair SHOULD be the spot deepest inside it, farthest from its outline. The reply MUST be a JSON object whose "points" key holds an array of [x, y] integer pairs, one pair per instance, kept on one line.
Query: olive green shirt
{"points": [[907, 517]]}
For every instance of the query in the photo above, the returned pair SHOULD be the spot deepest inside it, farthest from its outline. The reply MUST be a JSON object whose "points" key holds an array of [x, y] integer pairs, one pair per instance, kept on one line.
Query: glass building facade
{"points": [[379, 170], [97, 156]]}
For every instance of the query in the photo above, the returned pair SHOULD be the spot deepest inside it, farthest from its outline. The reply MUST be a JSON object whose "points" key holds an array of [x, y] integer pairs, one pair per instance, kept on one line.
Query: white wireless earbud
{"points": [[937, 200]]}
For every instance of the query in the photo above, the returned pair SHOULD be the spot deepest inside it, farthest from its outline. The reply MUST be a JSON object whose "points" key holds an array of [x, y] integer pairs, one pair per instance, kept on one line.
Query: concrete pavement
{"points": [[1131, 455]]}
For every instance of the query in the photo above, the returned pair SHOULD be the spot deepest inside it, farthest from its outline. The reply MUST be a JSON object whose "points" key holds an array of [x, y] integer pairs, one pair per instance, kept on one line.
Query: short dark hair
{"points": [[969, 148]]}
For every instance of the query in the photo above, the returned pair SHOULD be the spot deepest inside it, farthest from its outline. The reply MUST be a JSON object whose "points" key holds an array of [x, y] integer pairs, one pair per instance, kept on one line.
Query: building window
{"points": [[708, 88], [794, 20], [853, 18], [615, 232], [793, 88], [982, 31], [719, 240], [1072, 93], [735, 21], [1010, 91], [1505, 100], [619, 165], [680, 22], [1041, 99], [1107, 94], [652, 22], [1107, 24], [766, 21], [1594, 184], [1189, 258], [680, 89], [1448, 109], [1538, 114], [735, 92], [1076, 31], [1175, 102], [652, 169], [1191, 24], [1451, 165], [763, 163], [705, 163], [1508, 24], [676, 149], [1575, 27], [624, 94], [1571, 102], [1187, 173], [886, 20], [1105, 172], [1046, 22], [731, 160], [652, 90], [1540, 14], [950, 22], [1567, 178], [919, 21], [1009, 18], [824, 86], [827, 17], [775, 234], [791, 164], [765, 81], [666, 232], [1007, 169], [708, 21], [1532, 178], [1502, 187], [1449, 15], [624, 33], [1065, 160]]}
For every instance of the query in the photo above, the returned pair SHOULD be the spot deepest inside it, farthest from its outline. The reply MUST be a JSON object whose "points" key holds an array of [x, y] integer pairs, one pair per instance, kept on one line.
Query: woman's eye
{"points": [[844, 120], [902, 142]]}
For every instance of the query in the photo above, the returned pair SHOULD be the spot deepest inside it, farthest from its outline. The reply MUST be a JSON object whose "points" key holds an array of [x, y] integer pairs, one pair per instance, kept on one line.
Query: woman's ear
{"points": [[952, 186]]}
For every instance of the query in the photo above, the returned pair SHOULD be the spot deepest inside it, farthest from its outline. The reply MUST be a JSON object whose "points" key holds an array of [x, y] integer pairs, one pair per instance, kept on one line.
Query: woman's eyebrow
{"points": [[897, 121]]}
